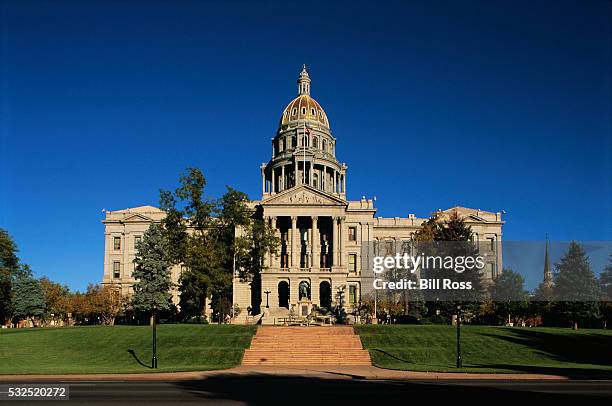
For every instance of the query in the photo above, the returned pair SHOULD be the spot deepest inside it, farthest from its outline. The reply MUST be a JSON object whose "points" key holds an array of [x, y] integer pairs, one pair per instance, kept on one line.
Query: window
{"points": [[303, 110], [282, 144], [315, 142], [116, 269], [293, 111], [137, 239], [352, 233], [492, 242], [324, 145], [313, 112], [352, 265], [352, 294], [116, 243]]}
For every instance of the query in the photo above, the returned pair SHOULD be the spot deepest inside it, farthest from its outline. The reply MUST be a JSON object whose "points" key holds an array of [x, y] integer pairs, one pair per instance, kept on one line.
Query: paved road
{"points": [[267, 389]]}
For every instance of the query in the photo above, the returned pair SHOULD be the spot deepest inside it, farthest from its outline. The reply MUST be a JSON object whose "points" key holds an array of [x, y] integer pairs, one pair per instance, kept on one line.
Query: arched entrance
{"points": [[283, 294], [325, 296]]}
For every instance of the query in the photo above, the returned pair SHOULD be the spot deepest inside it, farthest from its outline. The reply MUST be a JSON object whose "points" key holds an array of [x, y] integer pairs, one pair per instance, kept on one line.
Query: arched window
{"points": [[324, 145], [293, 111], [313, 112], [293, 142], [315, 142], [303, 110]]}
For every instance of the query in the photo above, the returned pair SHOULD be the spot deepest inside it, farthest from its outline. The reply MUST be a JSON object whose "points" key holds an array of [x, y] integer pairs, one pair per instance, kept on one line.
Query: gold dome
{"points": [[304, 107]]}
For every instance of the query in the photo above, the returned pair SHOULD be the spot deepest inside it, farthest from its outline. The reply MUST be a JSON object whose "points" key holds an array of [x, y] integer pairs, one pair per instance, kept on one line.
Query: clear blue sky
{"points": [[493, 105]]}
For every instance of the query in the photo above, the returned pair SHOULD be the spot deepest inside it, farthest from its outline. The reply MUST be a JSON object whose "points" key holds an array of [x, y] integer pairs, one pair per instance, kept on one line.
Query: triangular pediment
{"points": [[137, 218], [303, 196]]}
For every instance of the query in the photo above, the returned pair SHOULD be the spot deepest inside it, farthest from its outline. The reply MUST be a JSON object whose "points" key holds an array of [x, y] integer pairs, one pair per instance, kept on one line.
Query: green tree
{"points": [[576, 289], [509, 295], [605, 284], [28, 296], [152, 272], [605, 281], [452, 238], [9, 268]]}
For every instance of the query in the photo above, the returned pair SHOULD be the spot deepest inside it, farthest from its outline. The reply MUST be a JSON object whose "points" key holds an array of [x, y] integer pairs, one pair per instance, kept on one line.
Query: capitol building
{"points": [[326, 241]]}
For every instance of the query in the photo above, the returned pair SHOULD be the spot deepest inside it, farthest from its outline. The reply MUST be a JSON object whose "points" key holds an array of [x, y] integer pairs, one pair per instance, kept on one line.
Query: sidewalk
{"points": [[323, 371]]}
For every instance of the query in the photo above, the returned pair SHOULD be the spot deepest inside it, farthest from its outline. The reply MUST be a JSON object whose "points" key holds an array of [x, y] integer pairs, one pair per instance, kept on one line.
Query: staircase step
{"points": [[336, 345]]}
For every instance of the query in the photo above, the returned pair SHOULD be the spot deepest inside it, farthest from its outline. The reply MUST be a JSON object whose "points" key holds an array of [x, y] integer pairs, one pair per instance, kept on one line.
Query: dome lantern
{"points": [[304, 82]]}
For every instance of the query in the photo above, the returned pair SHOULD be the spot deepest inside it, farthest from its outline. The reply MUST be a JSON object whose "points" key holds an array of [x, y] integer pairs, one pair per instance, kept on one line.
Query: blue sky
{"points": [[493, 105]]}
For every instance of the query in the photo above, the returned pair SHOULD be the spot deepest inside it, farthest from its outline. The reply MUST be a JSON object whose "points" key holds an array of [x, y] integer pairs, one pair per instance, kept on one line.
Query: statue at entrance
{"points": [[304, 289]]}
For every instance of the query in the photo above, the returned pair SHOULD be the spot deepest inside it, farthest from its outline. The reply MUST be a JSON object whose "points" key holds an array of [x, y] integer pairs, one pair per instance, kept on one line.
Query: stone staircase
{"points": [[306, 346]]}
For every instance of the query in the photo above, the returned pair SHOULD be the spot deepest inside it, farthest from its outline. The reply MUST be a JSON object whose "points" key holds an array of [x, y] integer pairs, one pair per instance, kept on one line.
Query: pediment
{"points": [[303, 196], [137, 218]]}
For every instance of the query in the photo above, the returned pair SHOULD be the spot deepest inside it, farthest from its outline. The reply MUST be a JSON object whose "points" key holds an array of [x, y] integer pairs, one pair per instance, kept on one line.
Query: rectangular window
{"points": [[116, 243], [116, 269], [137, 240], [352, 294], [492, 242], [352, 233], [352, 265]]}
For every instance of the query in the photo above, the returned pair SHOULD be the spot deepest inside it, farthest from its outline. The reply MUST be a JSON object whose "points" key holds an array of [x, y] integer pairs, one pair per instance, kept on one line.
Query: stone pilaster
{"points": [[316, 243]]}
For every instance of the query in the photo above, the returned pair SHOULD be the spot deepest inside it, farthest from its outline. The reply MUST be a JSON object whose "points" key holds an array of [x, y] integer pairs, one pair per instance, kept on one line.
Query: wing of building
{"points": [[326, 240]]}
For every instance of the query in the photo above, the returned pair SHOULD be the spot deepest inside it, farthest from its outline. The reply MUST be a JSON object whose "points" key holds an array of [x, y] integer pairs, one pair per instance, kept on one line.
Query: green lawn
{"points": [[490, 349], [107, 349]]}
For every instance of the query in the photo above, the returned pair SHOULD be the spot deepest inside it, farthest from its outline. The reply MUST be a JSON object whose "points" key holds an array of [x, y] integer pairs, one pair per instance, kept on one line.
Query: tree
{"points": [[57, 299], [605, 281], [451, 238], [152, 272], [576, 289], [28, 297], [9, 268], [605, 284], [509, 295], [104, 302]]}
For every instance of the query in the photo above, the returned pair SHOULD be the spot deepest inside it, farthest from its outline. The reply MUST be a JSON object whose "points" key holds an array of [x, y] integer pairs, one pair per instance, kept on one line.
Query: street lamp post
{"points": [[154, 359], [267, 292], [459, 360]]}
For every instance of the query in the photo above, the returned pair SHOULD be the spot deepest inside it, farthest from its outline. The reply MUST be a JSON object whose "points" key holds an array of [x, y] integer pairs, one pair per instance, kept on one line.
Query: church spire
{"points": [[304, 82], [547, 273]]}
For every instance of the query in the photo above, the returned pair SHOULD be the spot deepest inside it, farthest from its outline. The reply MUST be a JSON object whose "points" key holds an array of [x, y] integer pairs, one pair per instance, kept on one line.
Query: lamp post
{"points": [[154, 359], [267, 292], [459, 360]]}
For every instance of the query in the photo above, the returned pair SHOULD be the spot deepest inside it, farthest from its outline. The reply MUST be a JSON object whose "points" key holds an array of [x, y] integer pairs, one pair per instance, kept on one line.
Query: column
{"points": [[344, 183], [276, 262], [309, 254], [316, 244], [334, 181], [310, 173], [283, 180], [298, 180], [335, 241], [294, 258], [272, 188], [263, 181], [342, 237], [267, 259], [324, 179]]}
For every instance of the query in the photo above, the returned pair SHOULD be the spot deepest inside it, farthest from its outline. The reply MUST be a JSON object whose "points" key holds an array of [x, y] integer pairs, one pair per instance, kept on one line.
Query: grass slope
{"points": [[490, 349], [106, 349]]}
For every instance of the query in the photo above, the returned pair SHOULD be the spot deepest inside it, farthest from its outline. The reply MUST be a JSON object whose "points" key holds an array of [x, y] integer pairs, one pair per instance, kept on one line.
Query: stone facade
{"points": [[326, 240]]}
